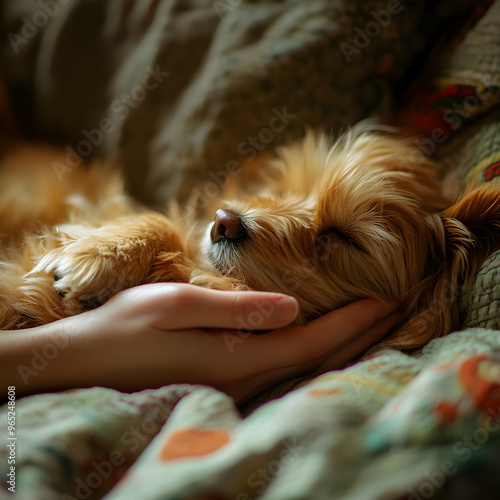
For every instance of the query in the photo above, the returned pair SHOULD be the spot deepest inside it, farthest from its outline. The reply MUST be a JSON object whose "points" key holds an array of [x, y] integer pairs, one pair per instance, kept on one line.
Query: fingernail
{"points": [[385, 311], [285, 309]]}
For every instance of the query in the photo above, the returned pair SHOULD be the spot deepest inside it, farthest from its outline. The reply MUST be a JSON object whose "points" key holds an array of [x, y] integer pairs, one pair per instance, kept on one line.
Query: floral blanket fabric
{"points": [[394, 426]]}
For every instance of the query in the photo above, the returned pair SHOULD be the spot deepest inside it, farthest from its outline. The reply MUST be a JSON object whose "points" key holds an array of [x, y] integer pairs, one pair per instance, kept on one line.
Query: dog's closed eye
{"points": [[331, 238]]}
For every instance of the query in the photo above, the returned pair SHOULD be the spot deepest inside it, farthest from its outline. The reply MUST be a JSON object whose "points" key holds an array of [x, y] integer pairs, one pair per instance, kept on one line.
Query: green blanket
{"points": [[394, 426]]}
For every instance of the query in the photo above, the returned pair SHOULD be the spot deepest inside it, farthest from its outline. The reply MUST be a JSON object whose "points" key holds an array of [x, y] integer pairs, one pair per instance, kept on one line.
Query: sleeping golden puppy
{"points": [[333, 223]]}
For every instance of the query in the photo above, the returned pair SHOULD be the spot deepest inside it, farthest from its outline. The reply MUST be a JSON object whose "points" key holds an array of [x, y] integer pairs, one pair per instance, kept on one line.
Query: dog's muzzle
{"points": [[227, 225]]}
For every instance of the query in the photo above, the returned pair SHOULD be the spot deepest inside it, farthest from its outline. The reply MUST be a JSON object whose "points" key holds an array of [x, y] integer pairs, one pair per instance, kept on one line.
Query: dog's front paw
{"points": [[87, 274], [91, 264], [78, 290]]}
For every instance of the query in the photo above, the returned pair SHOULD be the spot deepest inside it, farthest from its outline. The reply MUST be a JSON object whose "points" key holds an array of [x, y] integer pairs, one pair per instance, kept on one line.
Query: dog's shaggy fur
{"points": [[332, 223]]}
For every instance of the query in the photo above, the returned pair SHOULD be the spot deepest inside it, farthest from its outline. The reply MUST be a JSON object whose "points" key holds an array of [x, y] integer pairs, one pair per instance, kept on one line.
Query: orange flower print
{"points": [[193, 443]]}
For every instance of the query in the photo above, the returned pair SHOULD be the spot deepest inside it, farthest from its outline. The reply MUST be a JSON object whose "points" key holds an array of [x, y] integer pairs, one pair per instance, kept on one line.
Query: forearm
{"points": [[99, 348], [38, 359]]}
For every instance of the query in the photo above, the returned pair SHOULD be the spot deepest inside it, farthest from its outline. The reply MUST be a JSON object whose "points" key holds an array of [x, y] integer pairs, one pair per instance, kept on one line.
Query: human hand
{"points": [[165, 333]]}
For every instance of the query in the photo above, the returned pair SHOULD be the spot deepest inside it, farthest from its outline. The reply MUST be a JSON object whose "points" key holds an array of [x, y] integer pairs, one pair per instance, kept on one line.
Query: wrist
{"points": [[39, 359]]}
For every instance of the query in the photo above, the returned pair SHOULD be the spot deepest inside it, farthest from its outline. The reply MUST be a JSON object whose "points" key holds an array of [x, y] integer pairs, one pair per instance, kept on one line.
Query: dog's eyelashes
{"points": [[332, 238], [332, 233]]}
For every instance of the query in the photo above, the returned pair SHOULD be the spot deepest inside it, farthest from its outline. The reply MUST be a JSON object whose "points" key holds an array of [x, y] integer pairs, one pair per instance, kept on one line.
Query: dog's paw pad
{"points": [[81, 290], [57, 277], [91, 303]]}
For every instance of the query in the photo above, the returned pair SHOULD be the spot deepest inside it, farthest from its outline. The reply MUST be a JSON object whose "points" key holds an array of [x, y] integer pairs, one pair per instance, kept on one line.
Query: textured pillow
{"points": [[480, 301], [181, 91], [468, 90]]}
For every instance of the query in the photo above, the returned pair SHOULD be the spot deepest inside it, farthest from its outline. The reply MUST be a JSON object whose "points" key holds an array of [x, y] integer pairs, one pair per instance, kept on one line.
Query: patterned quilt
{"points": [[394, 426]]}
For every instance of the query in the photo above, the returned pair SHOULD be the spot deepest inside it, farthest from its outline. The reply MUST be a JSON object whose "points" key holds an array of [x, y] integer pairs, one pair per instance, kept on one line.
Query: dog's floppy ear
{"points": [[464, 236]]}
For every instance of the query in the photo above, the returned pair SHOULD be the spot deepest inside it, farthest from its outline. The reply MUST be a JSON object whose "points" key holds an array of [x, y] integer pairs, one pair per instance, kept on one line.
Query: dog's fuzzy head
{"points": [[336, 223]]}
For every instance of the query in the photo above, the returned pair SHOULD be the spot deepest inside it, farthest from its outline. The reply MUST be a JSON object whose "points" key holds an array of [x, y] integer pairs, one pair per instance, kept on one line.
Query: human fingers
{"points": [[348, 322], [339, 358], [324, 344], [361, 343], [179, 306], [295, 345]]}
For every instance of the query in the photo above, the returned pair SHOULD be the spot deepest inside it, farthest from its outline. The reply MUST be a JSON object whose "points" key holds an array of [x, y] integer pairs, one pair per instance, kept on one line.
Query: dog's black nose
{"points": [[227, 225]]}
